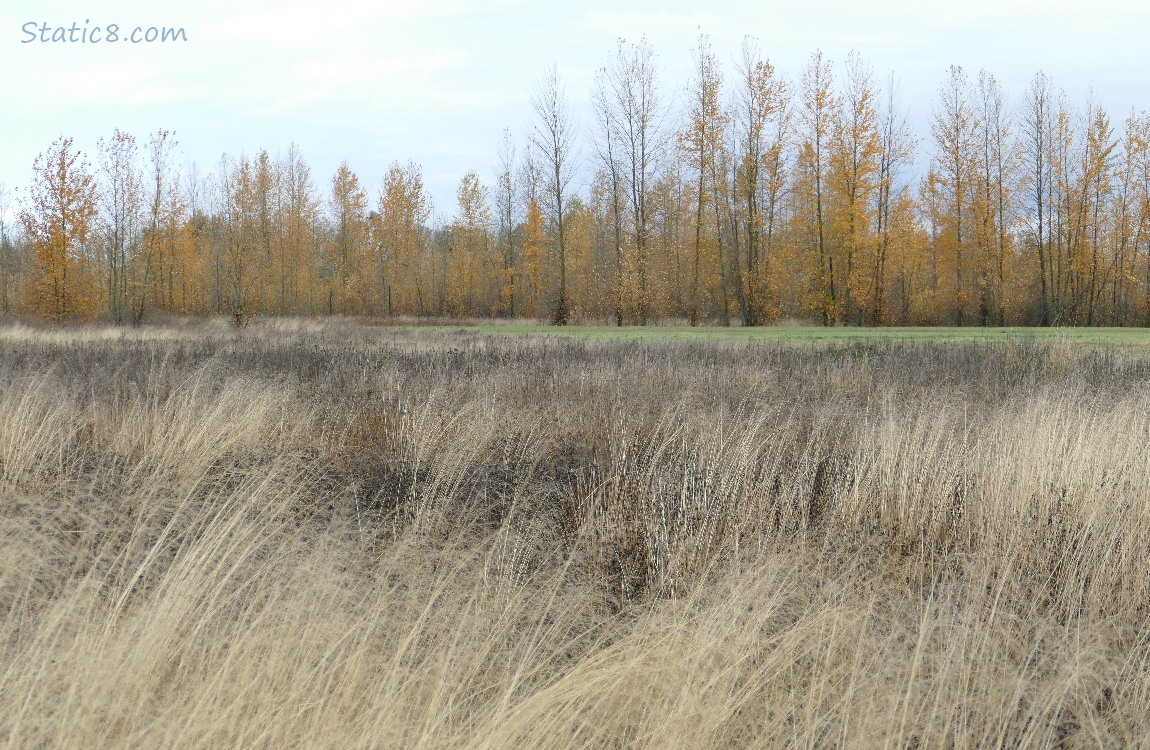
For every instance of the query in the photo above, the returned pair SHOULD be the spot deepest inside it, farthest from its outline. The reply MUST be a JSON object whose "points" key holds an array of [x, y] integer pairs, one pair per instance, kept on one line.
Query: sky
{"points": [[437, 81]]}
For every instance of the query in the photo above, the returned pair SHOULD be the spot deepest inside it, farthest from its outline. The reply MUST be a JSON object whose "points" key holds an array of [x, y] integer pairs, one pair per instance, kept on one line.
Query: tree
{"points": [[855, 172], [609, 156], [701, 140], [993, 198], [953, 127], [506, 207], [401, 237], [58, 220], [1036, 126], [1092, 223], [470, 241], [817, 116], [267, 195], [762, 126], [349, 242], [121, 213], [200, 247], [1128, 218], [896, 151], [631, 110], [1138, 134], [164, 210], [5, 250], [534, 245], [554, 137], [1060, 229], [297, 261], [585, 282], [236, 211], [669, 231]]}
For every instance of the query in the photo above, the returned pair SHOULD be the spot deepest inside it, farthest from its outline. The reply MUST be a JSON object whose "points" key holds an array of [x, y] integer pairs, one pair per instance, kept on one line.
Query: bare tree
{"points": [[996, 167], [554, 136], [633, 113], [1035, 121], [897, 146], [121, 214], [164, 186], [505, 200], [607, 152]]}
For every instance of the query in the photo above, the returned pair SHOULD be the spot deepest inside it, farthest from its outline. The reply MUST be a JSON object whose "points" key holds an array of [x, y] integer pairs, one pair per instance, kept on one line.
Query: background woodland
{"points": [[742, 196]]}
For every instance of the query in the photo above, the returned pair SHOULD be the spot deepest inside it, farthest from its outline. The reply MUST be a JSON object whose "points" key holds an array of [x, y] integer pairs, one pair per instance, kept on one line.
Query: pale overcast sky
{"points": [[437, 81]]}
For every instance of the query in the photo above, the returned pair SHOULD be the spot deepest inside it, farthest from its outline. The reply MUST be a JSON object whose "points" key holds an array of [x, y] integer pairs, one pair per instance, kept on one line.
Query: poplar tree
{"points": [[121, 216], [953, 127], [701, 141], [58, 218], [348, 243], [632, 111], [762, 131], [855, 172], [506, 200], [817, 114], [554, 138]]}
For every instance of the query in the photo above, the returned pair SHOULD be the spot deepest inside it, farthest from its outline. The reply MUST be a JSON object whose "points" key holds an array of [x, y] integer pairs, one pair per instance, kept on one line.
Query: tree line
{"points": [[742, 196]]}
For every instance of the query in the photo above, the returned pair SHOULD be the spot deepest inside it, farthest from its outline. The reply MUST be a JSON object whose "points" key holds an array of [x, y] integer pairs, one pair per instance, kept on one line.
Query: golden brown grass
{"points": [[321, 535]]}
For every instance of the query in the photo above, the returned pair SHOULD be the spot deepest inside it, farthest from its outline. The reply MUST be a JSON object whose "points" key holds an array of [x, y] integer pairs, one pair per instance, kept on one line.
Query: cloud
{"points": [[438, 79], [119, 84]]}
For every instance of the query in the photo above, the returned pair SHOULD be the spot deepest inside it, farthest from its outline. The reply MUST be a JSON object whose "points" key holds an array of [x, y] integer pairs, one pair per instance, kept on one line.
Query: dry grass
{"points": [[322, 535]]}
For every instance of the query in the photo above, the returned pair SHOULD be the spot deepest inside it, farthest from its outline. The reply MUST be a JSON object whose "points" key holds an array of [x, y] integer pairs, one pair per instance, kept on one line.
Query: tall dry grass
{"points": [[320, 535]]}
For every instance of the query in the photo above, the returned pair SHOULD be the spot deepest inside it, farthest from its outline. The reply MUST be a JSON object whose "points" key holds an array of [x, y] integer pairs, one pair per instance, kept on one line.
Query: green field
{"points": [[822, 333]]}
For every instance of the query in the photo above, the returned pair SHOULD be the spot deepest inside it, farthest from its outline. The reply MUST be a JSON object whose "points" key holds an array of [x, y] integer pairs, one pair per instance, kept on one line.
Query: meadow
{"points": [[324, 534]]}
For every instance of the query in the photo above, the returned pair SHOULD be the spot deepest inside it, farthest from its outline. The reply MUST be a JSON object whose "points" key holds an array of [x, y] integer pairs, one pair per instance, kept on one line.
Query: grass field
{"points": [[305, 534], [1135, 336]]}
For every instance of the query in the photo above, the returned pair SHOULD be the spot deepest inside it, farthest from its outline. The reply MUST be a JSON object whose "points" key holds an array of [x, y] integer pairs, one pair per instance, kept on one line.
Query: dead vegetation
{"points": [[321, 535]]}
